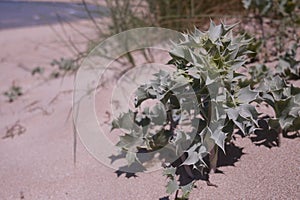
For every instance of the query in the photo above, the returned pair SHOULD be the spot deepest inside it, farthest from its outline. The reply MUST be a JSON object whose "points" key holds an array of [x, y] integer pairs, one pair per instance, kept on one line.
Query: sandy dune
{"points": [[38, 164]]}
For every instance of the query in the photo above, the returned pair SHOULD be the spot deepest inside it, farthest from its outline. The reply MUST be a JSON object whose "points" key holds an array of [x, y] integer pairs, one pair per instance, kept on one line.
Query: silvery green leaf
{"points": [[232, 113], [130, 157], [219, 137], [276, 83], [186, 189], [248, 111], [178, 140], [179, 81], [192, 157], [181, 52], [237, 64], [246, 95], [129, 142], [152, 92], [268, 97], [172, 186], [207, 141], [217, 110], [283, 107], [214, 31], [158, 114], [228, 28], [286, 123], [202, 152], [126, 122], [140, 95], [169, 171], [194, 72], [246, 3]]}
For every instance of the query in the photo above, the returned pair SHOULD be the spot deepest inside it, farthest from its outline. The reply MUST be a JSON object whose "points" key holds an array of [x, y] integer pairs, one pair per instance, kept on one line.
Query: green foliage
{"points": [[126, 14], [288, 65], [37, 70], [184, 15], [285, 101], [123, 15], [207, 65], [13, 93], [283, 18], [63, 67], [254, 47], [264, 7]]}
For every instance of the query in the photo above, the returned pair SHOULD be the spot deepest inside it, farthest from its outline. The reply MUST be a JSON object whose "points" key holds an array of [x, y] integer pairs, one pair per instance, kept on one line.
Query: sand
{"points": [[38, 164]]}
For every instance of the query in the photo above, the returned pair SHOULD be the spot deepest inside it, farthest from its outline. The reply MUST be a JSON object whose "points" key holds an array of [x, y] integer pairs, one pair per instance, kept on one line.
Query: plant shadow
{"points": [[164, 198], [233, 155], [269, 137], [128, 171], [265, 135]]}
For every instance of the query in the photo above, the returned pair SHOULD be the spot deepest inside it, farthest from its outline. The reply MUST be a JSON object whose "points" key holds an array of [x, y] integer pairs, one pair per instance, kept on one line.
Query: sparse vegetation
{"points": [[63, 67], [204, 103], [37, 70], [13, 93], [225, 79]]}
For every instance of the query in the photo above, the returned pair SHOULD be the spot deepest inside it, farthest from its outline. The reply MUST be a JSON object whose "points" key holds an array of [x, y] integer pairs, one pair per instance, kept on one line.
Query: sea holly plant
{"points": [[263, 7], [283, 15], [188, 115], [288, 65]]}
